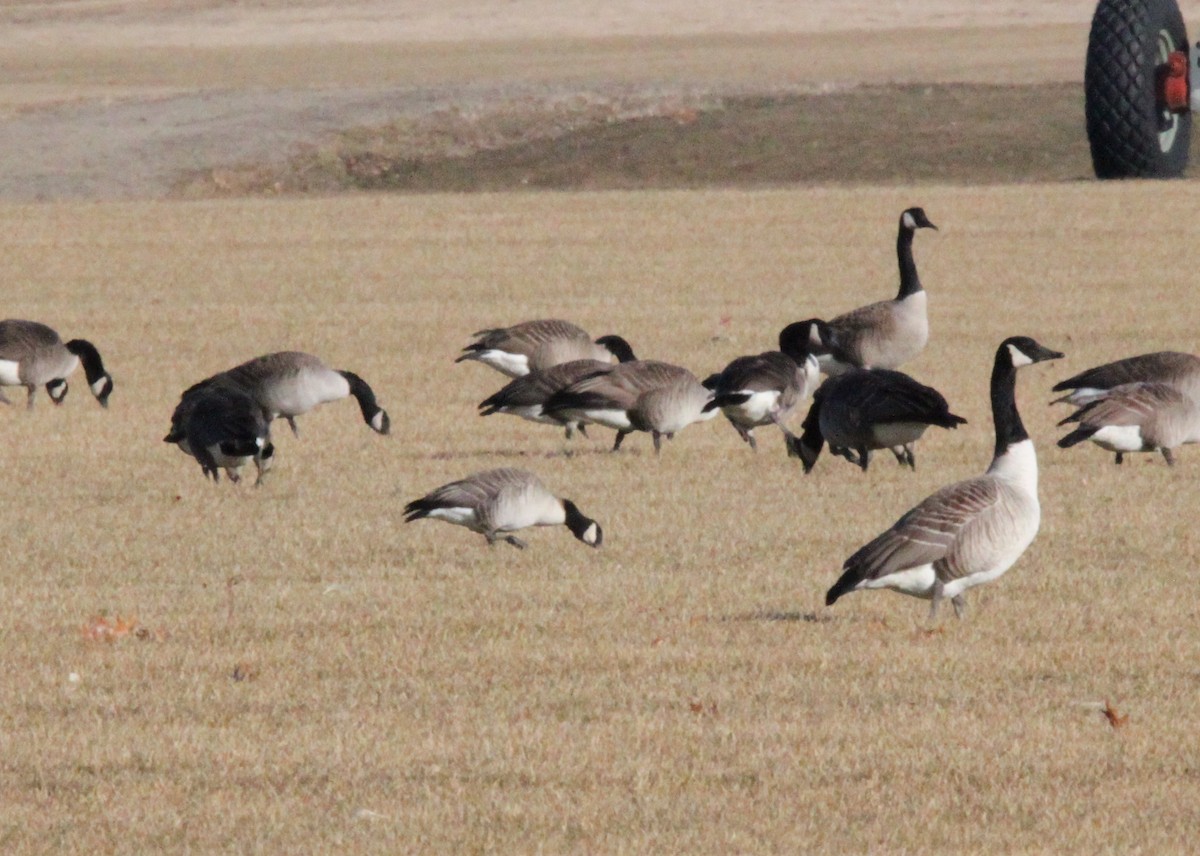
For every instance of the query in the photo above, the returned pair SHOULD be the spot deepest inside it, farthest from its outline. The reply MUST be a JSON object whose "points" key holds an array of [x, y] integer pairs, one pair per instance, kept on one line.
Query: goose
{"points": [[532, 345], [866, 409], [970, 532], [291, 383], [766, 388], [33, 355], [1137, 417], [499, 502], [641, 395], [889, 333], [1182, 371], [526, 396], [222, 427]]}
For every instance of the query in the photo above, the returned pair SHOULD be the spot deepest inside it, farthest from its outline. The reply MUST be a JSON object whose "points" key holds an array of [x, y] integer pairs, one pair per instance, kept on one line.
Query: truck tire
{"points": [[1131, 133]]}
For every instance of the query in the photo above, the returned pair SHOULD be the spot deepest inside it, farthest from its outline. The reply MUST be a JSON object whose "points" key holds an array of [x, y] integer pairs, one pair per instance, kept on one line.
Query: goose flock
{"points": [[965, 534]]}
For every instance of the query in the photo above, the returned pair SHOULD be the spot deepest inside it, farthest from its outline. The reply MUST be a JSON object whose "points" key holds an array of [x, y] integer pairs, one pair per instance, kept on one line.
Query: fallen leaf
{"points": [[1114, 719], [244, 672], [100, 628]]}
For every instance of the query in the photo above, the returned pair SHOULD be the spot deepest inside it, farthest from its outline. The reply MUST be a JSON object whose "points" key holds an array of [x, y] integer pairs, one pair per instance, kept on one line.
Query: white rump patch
{"points": [[513, 365], [758, 408], [1119, 438], [459, 516], [917, 582], [1018, 357], [10, 373]]}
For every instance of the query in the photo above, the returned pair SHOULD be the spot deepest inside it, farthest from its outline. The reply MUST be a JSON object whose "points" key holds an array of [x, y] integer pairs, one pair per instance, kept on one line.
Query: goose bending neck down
{"points": [[970, 532]]}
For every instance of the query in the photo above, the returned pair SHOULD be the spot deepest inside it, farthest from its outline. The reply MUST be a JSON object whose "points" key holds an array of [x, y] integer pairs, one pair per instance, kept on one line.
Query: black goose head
{"points": [[582, 527], [618, 347], [802, 338], [914, 218], [57, 390], [1024, 351], [98, 378]]}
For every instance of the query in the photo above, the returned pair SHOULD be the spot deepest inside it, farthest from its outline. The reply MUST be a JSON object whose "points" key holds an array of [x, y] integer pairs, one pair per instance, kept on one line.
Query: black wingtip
{"points": [[1076, 437]]}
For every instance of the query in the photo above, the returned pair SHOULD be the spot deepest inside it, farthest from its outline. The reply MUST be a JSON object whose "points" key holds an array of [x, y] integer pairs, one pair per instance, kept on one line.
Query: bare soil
{"points": [[136, 100]]}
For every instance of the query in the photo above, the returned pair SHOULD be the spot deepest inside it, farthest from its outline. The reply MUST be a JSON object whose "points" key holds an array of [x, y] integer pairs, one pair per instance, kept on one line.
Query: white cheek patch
{"points": [[10, 373], [377, 421], [589, 535], [98, 386], [909, 221], [1018, 357]]}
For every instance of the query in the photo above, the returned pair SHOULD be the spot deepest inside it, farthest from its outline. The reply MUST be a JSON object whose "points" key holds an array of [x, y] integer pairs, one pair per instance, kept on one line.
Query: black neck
{"points": [[363, 394], [93, 366], [1009, 428], [910, 283]]}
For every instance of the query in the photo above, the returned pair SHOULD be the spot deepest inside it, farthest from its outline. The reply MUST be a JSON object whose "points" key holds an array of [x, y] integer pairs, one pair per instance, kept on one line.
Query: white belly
{"points": [[618, 420], [898, 433], [10, 373], [532, 412]]}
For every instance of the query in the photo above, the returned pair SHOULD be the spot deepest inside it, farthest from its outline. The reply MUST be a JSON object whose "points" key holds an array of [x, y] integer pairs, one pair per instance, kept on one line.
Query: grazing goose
{"points": [[526, 396], [889, 333], [766, 388], [1137, 417], [222, 427], [642, 395], [291, 383], [1176, 369], [866, 409], [533, 345], [33, 355], [970, 532], [496, 503]]}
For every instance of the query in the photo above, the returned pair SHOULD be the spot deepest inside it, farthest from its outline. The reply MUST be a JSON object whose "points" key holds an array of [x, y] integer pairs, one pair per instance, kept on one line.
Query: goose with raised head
{"points": [[862, 410], [642, 395], [291, 383], [1174, 368], [970, 532], [1137, 417], [526, 396], [888, 333], [534, 345], [33, 355], [766, 388], [222, 427], [498, 502]]}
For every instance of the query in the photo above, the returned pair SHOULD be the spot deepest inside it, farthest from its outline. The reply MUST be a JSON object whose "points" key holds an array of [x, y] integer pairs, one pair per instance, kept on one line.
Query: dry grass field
{"points": [[318, 675], [292, 669]]}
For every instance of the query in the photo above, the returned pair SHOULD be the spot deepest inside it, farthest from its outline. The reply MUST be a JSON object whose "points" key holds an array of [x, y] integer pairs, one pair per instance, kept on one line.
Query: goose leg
{"points": [[657, 442], [960, 605], [746, 436], [864, 457], [1169, 457], [620, 439], [909, 458], [516, 542], [898, 451], [1120, 458], [938, 593], [30, 392], [581, 428], [234, 475], [4, 398], [291, 421]]}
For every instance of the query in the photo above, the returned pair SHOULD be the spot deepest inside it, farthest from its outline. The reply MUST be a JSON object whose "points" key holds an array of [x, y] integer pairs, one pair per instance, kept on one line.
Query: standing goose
{"points": [[1137, 417], [222, 427], [533, 345], [866, 409], [291, 383], [1182, 371], [526, 396], [889, 333], [970, 532], [33, 355], [496, 503], [766, 388], [642, 395]]}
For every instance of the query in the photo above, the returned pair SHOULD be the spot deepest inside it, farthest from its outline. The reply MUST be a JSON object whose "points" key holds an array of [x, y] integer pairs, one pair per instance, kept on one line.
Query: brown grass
{"points": [[318, 676]]}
